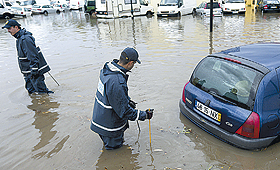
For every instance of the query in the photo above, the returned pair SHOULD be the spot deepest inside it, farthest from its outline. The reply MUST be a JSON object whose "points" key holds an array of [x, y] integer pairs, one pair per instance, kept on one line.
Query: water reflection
{"points": [[122, 158], [210, 42], [170, 49], [228, 157], [45, 118]]}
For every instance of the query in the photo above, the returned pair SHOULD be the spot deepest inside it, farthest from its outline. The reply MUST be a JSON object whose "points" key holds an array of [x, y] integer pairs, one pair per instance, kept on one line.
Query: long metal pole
{"points": [[53, 79], [131, 6], [150, 134], [211, 15]]}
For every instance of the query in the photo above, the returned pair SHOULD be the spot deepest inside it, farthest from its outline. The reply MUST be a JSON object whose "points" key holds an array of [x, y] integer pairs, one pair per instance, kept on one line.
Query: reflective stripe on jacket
{"points": [[111, 109], [30, 57]]}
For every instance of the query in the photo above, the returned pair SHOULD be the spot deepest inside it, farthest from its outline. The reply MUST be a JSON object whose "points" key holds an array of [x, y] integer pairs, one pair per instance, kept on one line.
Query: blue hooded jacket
{"points": [[111, 107], [30, 57]]}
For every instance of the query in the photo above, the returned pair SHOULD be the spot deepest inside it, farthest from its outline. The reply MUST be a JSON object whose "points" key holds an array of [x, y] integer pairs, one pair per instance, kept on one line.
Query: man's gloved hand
{"points": [[132, 104], [149, 113], [34, 74]]}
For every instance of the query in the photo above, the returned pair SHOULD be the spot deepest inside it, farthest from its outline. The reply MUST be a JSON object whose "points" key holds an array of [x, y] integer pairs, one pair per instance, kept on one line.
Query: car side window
{"points": [[180, 3], [1, 6]]}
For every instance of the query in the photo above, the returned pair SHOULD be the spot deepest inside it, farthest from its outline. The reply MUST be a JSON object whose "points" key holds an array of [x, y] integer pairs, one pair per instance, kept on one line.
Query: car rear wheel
{"points": [[194, 12], [7, 16], [179, 14], [46, 13], [149, 13]]}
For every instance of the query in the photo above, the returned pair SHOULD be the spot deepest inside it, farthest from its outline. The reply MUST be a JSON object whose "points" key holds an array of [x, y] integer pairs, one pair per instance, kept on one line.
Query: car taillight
{"points": [[251, 128], [265, 7], [205, 6], [183, 95], [21, 12]]}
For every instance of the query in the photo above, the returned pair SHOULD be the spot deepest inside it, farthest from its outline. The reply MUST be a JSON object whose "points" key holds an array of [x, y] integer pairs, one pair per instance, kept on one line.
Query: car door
{"points": [[51, 9]]}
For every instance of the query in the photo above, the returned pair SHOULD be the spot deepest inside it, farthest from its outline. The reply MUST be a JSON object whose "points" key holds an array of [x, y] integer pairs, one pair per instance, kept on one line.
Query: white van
{"points": [[75, 5], [233, 6], [169, 8], [146, 8], [121, 8]]}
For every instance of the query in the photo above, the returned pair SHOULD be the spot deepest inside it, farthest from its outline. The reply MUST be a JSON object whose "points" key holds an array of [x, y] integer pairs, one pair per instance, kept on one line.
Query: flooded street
{"points": [[52, 132]]}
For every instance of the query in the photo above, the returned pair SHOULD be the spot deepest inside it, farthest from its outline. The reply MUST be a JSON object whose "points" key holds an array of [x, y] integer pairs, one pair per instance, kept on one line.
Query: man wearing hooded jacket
{"points": [[30, 58], [113, 107]]}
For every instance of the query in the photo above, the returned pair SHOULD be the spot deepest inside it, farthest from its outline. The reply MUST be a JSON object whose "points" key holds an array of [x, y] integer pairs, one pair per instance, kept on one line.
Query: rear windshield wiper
{"points": [[221, 98]]}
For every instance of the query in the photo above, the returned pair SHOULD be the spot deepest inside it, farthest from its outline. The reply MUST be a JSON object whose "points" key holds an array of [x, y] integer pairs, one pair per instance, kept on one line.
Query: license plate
{"points": [[234, 12], [273, 7], [208, 111]]}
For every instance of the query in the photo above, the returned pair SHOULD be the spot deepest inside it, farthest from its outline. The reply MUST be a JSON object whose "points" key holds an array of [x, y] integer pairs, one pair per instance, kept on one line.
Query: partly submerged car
{"points": [[21, 11], [234, 6], [204, 9], [269, 6], [43, 9], [60, 7], [234, 95]]}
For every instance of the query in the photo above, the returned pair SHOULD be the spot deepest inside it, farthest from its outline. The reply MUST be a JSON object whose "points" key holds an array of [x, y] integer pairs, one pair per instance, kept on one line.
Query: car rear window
{"points": [[271, 2], [227, 80], [215, 5]]}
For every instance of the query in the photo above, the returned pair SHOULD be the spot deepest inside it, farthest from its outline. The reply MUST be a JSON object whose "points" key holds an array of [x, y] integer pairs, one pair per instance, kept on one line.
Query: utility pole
{"points": [[131, 6]]}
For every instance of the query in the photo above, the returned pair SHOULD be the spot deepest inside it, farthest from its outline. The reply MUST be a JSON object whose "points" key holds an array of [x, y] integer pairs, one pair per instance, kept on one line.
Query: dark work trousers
{"points": [[36, 84], [112, 143]]}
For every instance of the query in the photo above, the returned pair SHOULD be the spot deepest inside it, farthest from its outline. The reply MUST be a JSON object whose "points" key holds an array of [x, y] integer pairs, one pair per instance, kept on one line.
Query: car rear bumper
{"points": [[271, 10], [234, 139], [234, 12]]}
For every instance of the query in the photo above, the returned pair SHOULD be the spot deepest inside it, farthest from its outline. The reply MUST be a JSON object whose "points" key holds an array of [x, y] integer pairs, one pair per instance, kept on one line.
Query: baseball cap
{"points": [[10, 23], [130, 54]]}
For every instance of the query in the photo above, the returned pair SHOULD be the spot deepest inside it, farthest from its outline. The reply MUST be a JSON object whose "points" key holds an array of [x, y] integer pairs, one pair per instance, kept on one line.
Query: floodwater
{"points": [[52, 132]]}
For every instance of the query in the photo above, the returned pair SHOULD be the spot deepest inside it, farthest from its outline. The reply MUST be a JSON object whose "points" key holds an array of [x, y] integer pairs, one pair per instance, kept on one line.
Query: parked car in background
{"points": [[169, 8], [43, 9], [5, 12], [21, 11], [234, 95], [233, 6], [146, 8], [269, 6], [60, 7], [28, 3], [204, 9]]}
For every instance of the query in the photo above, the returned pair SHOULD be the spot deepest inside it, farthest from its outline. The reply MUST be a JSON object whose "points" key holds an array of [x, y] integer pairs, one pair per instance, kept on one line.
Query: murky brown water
{"points": [[52, 132]]}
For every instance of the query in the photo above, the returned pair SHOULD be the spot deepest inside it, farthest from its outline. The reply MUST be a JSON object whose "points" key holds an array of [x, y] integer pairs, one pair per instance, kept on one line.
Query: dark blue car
{"points": [[234, 95]]}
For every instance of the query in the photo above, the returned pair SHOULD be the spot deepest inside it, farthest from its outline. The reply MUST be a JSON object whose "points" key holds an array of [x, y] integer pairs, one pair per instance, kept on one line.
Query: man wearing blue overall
{"points": [[113, 107], [30, 58]]}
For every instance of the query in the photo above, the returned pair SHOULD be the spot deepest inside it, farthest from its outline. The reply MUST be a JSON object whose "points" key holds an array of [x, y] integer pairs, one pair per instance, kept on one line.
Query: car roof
{"points": [[266, 54]]}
